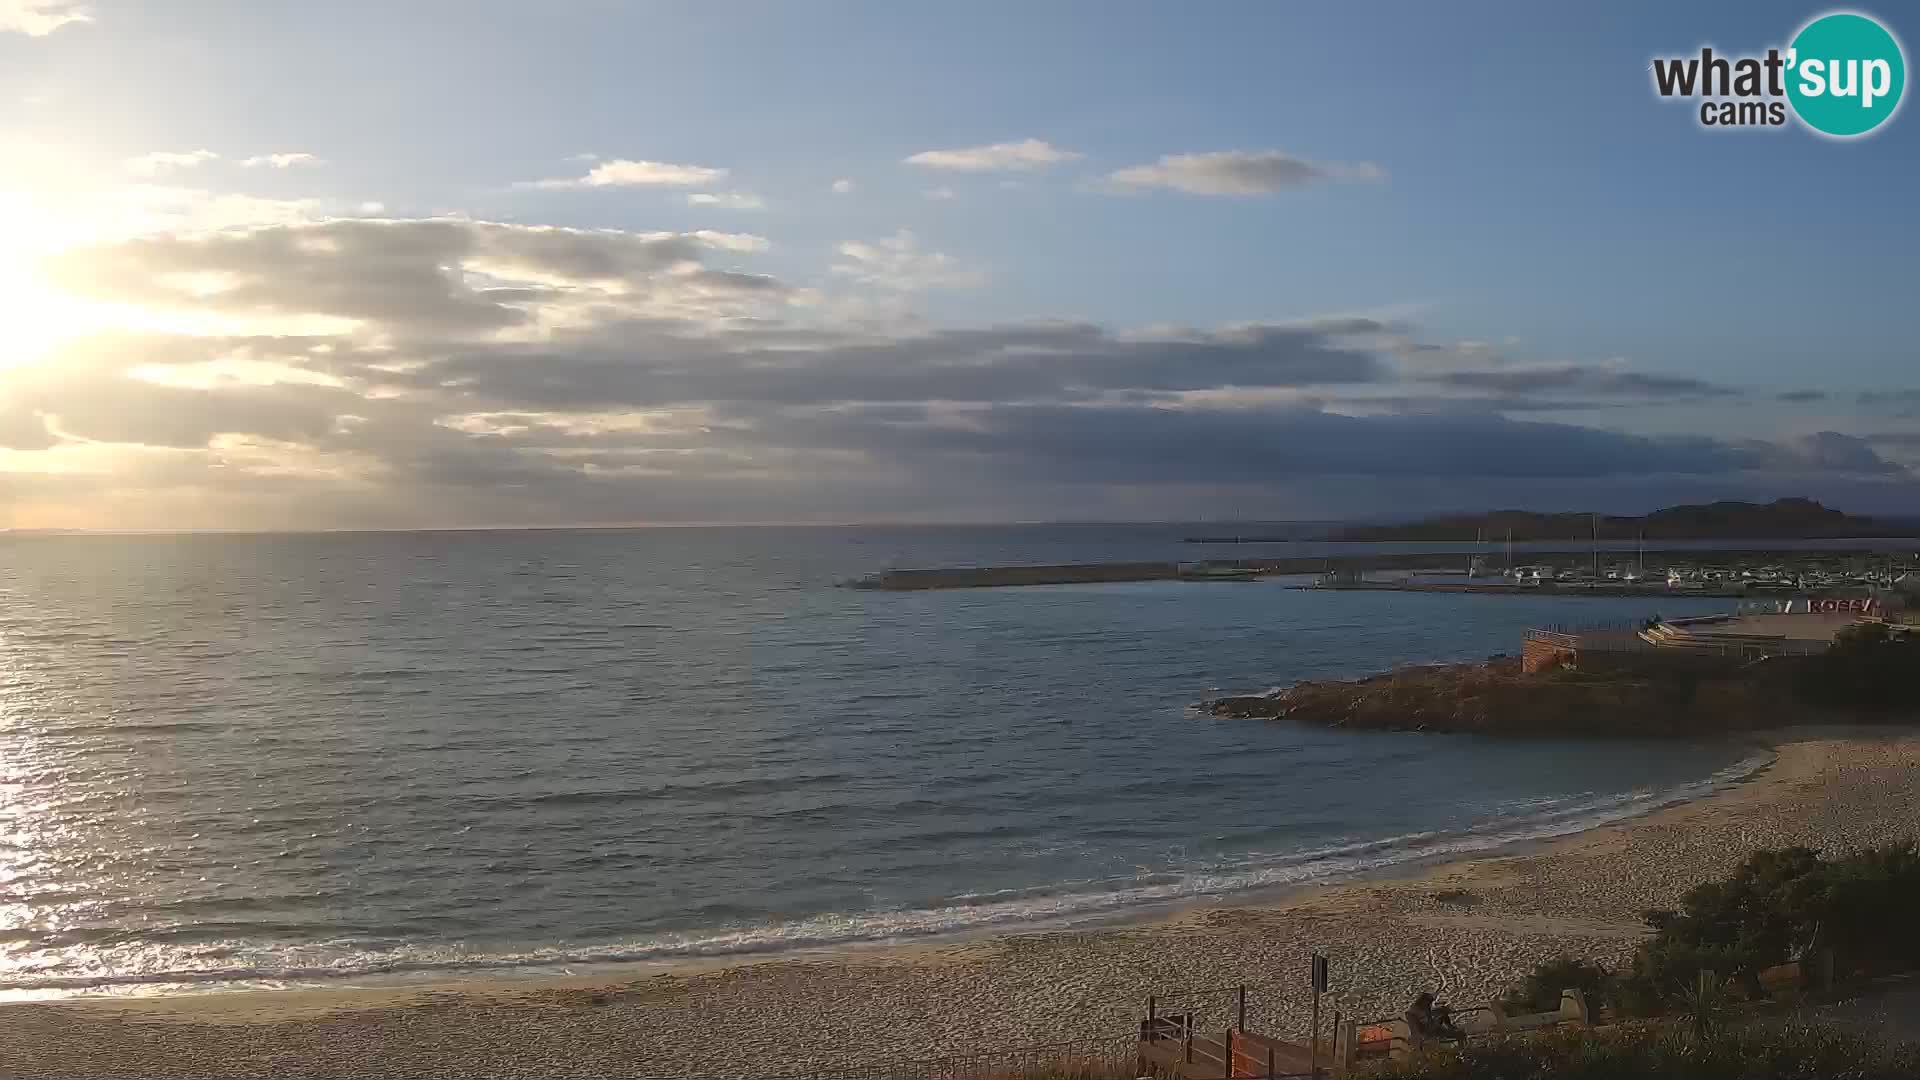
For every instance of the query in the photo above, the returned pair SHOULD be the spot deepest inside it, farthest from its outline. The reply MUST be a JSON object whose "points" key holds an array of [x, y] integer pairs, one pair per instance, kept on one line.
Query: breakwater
{"points": [[976, 577]]}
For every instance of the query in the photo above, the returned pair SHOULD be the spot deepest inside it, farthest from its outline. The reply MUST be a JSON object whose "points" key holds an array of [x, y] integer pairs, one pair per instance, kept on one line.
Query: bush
{"points": [[1540, 991], [1781, 906], [1763, 915], [1789, 1051], [1777, 907], [1869, 666]]}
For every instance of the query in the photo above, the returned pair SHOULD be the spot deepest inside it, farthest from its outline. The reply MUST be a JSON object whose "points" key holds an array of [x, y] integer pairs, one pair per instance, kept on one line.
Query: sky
{"points": [[453, 263]]}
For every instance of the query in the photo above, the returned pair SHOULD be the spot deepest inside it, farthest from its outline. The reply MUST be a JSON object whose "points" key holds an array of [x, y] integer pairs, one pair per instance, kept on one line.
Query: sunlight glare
{"points": [[34, 316]]}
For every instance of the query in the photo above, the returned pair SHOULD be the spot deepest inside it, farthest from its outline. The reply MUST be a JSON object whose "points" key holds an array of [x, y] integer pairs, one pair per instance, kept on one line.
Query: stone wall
{"points": [[1538, 655]]}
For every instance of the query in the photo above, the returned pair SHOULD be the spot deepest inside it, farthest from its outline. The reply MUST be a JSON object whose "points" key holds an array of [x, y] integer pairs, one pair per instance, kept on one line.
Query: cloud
{"points": [[164, 161], [1149, 444], [25, 429], [663, 420], [842, 186], [169, 208], [625, 173], [1822, 451], [1902, 403], [1801, 395], [729, 200], [446, 371], [1580, 378], [1237, 172], [38, 18], [650, 366], [743, 242], [898, 263], [939, 194], [1902, 445], [279, 161], [432, 277], [1027, 155]]}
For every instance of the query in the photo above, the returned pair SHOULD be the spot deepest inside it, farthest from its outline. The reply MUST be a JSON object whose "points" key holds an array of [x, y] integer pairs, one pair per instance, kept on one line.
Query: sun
{"points": [[34, 316], [34, 319]]}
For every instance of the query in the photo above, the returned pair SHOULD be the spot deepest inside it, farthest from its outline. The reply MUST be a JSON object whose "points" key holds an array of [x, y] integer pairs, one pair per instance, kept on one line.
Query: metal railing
{"points": [[1620, 639], [1633, 637]]}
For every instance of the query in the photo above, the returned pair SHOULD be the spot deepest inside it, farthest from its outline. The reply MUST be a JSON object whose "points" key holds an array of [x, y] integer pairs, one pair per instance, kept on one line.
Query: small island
{"points": [[1781, 519]]}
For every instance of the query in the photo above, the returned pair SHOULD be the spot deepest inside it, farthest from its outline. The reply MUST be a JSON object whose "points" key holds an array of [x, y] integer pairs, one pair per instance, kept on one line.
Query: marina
{"points": [[1742, 572]]}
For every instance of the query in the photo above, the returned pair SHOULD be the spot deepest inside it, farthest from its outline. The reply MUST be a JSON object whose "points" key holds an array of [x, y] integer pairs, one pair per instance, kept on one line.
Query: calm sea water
{"points": [[254, 760]]}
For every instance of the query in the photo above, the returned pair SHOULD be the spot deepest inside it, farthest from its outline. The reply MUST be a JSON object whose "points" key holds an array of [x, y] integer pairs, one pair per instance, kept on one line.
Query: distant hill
{"points": [[1782, 519]]}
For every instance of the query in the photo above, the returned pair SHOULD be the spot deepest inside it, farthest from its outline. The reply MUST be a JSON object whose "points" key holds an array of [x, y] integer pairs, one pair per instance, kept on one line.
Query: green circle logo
{"points": [[1845, 73]]}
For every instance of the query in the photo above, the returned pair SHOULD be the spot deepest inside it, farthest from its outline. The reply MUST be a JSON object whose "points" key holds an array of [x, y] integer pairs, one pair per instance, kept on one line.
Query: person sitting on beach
{"points": [[1428, 1020]]}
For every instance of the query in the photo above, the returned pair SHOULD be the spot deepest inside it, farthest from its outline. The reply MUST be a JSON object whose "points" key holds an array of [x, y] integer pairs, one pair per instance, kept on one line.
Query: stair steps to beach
{"points": [[1209, 1057], [1174, 1046]]}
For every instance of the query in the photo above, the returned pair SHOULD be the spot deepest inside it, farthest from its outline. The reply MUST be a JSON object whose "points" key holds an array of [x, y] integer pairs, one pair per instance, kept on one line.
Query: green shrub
{"points": [[1780, 906], [1706, 1004], [1784, 1051], [1869, 666], [1776, 907], [1541, 990], [1762, 915], [1865, 908]]}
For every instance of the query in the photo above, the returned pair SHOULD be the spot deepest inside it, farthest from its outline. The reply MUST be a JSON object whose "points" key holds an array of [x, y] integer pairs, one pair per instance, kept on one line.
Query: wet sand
{"points": [[1464, 929]]}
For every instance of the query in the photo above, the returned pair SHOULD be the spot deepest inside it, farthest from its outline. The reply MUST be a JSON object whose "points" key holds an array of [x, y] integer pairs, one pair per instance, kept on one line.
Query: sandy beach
{"points": [[1464, 929]]}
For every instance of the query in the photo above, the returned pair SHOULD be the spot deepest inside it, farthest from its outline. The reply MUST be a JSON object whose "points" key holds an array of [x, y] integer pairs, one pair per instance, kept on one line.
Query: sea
{"points": [[342, 759]]}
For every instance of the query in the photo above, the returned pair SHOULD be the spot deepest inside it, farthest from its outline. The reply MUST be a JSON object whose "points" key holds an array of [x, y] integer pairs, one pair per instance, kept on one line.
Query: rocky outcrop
{"points": [[1497, 697]]}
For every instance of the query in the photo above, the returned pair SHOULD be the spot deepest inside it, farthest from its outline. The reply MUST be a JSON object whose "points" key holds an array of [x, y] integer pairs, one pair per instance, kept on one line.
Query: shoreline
{"points": [[1511, 837], [1462, 927]]}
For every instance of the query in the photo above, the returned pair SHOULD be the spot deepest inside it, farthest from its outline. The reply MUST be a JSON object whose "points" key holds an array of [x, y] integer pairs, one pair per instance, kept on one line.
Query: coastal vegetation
{"points": [[1792, 1050], [1679, 1009], [1780, 906], [1702, 960], [1782, 519], [1868, 667]]}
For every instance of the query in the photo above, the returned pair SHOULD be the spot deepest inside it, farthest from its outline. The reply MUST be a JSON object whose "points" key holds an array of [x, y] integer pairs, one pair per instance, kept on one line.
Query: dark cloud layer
{"points": [[647, 365], [1901, 403], [1161, 445], [1580, 378], [494, 373]]}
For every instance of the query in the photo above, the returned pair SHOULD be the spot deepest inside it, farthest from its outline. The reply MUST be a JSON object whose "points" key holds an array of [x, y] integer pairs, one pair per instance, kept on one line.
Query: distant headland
{"points": [[1782, 519]]}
